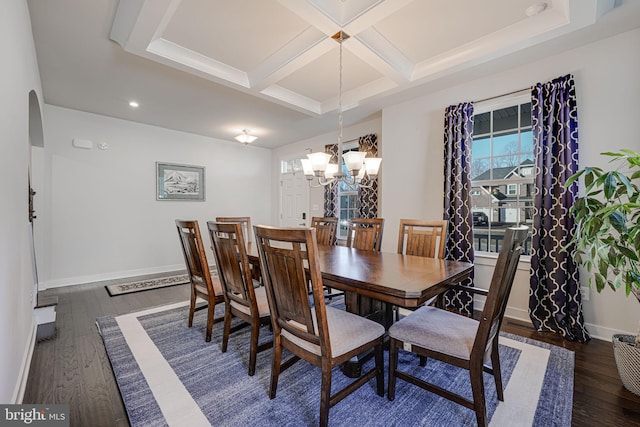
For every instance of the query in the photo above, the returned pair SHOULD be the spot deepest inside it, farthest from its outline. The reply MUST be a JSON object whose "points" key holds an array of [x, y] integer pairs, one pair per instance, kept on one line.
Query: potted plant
{"points": [[607, 242]]}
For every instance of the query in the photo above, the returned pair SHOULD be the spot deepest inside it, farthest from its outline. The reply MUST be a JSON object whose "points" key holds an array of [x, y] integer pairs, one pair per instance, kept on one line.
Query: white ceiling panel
{"points": [[211, 67], [239, 33], [421, 30]]}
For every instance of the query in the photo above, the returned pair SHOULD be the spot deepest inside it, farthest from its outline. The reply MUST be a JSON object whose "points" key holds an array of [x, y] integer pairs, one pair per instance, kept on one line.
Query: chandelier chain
{"points": [[340, 100]]}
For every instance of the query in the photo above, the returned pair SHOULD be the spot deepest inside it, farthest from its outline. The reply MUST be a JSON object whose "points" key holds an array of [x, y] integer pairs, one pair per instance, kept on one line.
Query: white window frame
{"points": [[482, 107], [349, 146]]}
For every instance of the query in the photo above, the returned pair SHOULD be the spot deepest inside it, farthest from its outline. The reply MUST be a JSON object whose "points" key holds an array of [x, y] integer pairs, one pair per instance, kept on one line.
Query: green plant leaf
{"points": [[610, 183], [573, 178], [600, 282], [618, 221], [606, 239], [628, 253], [612, 154], [617, 282]]}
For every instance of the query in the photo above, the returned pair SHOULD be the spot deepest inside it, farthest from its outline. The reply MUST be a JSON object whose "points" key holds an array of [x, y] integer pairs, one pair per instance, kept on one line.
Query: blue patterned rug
{"points": [[168, 375]]}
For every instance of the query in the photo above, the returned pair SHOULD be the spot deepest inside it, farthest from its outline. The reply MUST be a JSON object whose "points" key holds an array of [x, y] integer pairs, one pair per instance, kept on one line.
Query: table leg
{"points": [[370, 308]]}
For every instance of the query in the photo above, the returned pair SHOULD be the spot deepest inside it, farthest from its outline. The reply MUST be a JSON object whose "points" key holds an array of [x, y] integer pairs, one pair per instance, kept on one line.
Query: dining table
{"points": [[375, 282], [392, 278]]}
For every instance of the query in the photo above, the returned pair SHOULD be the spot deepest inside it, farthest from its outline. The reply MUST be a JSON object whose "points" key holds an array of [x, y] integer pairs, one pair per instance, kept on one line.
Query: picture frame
{"points": [[179, 182]]}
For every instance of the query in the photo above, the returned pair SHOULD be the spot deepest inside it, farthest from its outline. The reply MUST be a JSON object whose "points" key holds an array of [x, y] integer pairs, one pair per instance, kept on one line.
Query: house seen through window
{"points": [[502, 164]]}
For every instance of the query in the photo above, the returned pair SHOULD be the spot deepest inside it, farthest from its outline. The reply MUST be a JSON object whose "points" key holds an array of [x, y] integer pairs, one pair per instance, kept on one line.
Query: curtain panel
{"points": [[458, 136], [331, 200], [554, 299], [368, 197]]}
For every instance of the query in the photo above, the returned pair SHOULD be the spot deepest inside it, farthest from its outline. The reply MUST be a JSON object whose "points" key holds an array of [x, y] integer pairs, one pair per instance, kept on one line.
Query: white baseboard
{"points": [[21, 385], [595, 331], [81, 280]]}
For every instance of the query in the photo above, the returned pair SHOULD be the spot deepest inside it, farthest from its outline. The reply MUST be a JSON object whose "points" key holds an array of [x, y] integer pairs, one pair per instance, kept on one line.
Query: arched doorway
{"points": [[36, 181]]}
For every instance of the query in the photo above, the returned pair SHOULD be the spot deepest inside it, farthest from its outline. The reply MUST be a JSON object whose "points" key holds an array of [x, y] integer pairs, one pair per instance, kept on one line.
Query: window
{"points": [[348, 198], [502, 166], [290, 166]]}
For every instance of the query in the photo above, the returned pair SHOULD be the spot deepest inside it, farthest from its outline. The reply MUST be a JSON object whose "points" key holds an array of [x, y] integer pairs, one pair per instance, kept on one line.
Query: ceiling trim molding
{"points": [[139, 27]]}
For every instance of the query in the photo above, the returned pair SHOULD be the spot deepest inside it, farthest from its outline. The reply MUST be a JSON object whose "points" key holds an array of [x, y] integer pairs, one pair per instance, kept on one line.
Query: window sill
{"points": [[490, 258]]}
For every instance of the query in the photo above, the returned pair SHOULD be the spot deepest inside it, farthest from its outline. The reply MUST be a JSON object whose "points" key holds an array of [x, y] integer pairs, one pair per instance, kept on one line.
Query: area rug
{"points": [[168, 375], [149, 284]]}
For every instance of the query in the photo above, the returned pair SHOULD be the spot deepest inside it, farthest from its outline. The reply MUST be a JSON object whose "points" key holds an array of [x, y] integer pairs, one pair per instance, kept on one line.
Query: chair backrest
{"points": [[289, 261], [326, 229], [194, 254], [233, 263], [425, 238], [246, 225], [365, 233], [499, 290]]}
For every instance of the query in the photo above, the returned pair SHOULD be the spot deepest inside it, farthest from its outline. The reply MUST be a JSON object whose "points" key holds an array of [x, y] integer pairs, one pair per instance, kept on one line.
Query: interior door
{"points": [[294, 200]]}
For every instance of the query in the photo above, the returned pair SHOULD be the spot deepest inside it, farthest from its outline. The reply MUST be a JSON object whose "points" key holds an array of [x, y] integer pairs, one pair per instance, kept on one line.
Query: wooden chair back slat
{"points": [[365, 233], [426, 238], [326, 229]]}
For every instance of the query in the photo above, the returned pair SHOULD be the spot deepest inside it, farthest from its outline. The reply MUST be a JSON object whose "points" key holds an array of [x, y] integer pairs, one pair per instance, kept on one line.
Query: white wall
{"points": [[18, 76], [606, 74], [104, 221]]}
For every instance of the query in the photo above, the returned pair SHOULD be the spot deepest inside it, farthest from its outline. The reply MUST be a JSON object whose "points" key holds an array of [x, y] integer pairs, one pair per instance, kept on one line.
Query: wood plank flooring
{"points": [[73, 367]]}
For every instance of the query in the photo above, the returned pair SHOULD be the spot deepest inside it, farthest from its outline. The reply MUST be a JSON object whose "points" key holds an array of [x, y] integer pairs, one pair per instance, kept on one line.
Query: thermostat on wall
{"points": [[82, 143]]}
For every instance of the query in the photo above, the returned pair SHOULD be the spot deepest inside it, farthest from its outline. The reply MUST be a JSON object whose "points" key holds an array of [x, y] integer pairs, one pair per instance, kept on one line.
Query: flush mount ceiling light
{"points": [[133, 104], [245, 138], [356, 165]]}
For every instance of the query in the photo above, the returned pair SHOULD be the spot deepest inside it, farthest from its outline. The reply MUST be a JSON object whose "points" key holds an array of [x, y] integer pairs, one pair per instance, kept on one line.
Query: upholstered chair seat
{"points": [[347, 331]]}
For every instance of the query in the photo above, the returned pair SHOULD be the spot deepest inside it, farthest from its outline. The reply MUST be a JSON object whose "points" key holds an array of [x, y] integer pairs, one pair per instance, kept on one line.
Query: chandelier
{"points": [[318, 166]]}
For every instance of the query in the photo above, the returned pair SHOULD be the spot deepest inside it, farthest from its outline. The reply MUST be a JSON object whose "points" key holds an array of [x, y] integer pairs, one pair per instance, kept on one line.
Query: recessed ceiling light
{"points": [[133, 104], [535, 9]]}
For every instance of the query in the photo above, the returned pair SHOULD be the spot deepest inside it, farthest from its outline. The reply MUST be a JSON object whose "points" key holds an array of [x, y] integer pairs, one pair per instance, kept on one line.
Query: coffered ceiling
{"points": [[271, 65]]}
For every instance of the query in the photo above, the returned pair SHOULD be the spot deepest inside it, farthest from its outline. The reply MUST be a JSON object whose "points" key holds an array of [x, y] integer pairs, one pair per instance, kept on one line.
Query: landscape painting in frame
{"points": [[179, 182]]}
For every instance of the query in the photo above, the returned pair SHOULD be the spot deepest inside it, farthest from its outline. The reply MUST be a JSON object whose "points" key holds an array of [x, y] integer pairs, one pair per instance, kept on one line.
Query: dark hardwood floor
{"points": [[73, 367]]}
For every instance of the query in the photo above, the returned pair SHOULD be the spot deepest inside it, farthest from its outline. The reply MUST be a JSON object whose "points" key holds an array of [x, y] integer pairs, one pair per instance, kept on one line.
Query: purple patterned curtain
{"points": [[555, 303], [368, 197], [331, 202], [458, 136]]}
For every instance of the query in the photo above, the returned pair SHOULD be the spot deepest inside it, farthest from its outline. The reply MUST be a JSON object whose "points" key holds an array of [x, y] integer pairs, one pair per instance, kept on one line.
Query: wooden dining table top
{"points": [[402, 280]]}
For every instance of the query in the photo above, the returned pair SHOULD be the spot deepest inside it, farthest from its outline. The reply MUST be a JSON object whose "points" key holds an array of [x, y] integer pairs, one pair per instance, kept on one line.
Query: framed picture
{"points": [[179, 182]]}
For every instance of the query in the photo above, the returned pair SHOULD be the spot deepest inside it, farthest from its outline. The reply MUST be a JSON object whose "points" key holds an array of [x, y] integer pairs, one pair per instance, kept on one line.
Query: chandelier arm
{"points": [[320, 183]]}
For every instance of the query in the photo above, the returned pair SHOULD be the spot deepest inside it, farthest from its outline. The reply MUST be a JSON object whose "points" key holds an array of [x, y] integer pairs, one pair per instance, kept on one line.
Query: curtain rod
{"points": [[504, 94]]}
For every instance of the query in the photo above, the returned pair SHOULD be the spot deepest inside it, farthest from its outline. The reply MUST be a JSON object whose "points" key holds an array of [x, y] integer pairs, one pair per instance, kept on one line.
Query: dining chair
{"points": [[326, 229], [459, 340], [244, 297], [202, 284], [247, 231], [425, 238], [302, 324], [246, 225], [365, 233]]}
